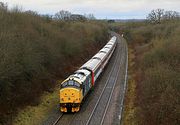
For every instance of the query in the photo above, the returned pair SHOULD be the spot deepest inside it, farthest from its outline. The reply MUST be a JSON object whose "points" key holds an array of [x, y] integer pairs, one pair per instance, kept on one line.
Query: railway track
{"points": [[63, 120], [55, 123]]}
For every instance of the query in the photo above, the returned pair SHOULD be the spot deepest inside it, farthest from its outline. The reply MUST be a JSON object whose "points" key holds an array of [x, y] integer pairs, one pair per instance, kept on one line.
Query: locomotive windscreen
{"points": [[70, 83]]}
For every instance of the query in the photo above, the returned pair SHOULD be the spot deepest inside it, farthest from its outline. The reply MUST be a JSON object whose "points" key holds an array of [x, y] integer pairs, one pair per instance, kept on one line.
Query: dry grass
{"points": [[129, 111], [34, 115]]}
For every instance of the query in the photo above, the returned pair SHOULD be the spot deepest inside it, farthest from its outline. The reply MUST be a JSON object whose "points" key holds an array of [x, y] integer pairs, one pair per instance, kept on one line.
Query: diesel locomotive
{"points": [[75, 88]]}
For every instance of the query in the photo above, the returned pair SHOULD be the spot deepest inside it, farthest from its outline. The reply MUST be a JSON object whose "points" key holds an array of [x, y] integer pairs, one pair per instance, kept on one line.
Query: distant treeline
{"points": [[36, 50]]}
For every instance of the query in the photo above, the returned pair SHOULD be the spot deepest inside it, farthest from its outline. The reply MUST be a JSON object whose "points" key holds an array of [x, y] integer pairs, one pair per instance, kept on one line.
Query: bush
{"points": [[156, 71], [159, 95], [159, 90]]}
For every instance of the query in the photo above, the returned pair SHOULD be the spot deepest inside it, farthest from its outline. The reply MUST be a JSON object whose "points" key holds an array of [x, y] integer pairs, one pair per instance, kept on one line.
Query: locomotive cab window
{"points": [[70, 83]]}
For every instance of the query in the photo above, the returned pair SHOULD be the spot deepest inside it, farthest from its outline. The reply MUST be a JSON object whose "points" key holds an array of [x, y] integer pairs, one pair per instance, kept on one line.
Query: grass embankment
{"points": [[129, 113], [153, 89], [35, 115], [35, 51]]}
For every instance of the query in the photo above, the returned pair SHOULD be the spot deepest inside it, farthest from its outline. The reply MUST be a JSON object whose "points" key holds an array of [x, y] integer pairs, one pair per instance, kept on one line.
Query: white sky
{"points": [[119, 9]]}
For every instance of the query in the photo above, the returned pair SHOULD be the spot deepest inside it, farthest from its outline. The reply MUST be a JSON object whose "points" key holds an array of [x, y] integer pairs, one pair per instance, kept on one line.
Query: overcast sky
{"points": [[114, 9]]}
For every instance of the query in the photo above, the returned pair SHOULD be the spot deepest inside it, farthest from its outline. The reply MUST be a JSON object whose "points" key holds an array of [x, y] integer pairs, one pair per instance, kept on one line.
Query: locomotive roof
{"points": [[80, 74], [72, 78]]}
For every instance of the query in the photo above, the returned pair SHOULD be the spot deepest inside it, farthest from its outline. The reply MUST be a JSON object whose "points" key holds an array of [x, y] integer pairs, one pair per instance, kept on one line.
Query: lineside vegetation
{"points": [[36, 50], [156, 72]]}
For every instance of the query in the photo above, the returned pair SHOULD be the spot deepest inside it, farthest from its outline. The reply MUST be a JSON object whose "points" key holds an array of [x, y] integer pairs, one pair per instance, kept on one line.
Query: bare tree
{"points": [[78, 17], [3, 6], [30, 12], [63, 15], [3, 10], [171, 15], [156, 16]]}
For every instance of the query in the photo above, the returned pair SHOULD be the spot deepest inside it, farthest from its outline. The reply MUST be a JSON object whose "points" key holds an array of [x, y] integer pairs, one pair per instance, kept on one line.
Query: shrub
{"points": [[159, 90]]}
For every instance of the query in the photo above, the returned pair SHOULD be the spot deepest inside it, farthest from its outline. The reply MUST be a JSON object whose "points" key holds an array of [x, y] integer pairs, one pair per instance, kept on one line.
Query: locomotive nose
{"points": [[69, 95], [70, 99]]}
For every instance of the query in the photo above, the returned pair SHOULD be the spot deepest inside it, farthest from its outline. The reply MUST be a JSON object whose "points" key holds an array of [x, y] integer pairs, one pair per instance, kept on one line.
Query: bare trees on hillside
{"points": [[68, 16], [63, 15], [158, 15], [169, 15], [3, 6]]}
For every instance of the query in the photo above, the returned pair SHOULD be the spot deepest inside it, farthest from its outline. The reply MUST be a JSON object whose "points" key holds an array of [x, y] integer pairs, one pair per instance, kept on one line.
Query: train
{"points": [[75, 88]]}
